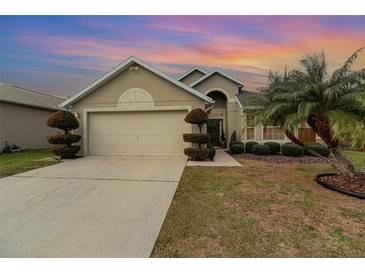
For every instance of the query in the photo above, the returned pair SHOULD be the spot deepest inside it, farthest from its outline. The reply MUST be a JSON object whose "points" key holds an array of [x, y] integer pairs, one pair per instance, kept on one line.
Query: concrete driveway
{"points": [[95, 206]]}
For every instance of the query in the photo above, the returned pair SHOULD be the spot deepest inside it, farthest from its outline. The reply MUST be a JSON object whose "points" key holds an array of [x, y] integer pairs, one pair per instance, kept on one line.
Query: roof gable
{"points": [[124, 65], [220, 73], [190, 71]]}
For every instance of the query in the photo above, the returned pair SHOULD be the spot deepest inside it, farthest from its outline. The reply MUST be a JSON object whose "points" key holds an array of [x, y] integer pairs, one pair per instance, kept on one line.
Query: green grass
{"points": [[357, 157], [14, 163], [260, 210]]}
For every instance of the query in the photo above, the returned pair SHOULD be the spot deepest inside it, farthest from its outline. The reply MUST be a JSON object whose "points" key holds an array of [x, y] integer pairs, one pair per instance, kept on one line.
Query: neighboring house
{"points": [[135, 109], [23, 115]]}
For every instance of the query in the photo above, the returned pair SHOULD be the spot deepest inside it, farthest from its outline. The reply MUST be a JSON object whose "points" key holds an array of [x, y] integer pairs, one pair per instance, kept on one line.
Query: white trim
{"points": [[219, 72], [125, 94], [122, 66], [229, 100], [86, 111], [239, 103], [190, 71]]}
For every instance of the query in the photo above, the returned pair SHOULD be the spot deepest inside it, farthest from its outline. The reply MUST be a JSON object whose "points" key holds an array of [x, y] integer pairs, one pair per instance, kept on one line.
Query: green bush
{"points": [[261, 149], [237, 148], [63, 139], [233, 139], [320, 149], [65, 152], [64, 120], [292, 150], [196, 116], [274, 147], [211, 151], [196, 138], [249, 145], [197, 154]]}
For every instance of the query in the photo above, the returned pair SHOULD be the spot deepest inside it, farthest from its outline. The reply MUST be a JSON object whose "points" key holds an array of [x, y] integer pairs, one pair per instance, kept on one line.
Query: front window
{"points": [[273, 133], [250, 127]]}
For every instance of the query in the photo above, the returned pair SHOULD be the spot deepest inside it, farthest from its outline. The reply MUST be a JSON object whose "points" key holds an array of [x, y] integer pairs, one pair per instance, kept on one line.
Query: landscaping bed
{"points": [[350, 185], [305, 159]]}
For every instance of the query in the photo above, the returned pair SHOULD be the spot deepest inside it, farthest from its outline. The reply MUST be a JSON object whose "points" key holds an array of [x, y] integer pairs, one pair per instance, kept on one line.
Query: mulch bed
{"points": [[280, 158], [355, 183]]}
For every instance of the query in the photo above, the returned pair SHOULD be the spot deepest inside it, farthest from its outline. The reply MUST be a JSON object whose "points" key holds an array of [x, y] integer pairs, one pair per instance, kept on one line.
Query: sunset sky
{"points": [[62, 54]]}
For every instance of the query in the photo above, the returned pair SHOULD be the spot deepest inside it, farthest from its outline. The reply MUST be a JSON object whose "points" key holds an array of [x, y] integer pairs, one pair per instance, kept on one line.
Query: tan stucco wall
{"points": [[24, 126], [192, 77], [163, 93], [220, 83]]}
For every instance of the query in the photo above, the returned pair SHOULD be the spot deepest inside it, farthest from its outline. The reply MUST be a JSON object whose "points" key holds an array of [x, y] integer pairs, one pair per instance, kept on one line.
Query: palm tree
{"points": [[332, 105]]}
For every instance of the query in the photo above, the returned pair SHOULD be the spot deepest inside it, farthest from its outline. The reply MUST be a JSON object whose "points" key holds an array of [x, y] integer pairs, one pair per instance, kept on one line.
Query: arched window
{"points": [[135, 98]]}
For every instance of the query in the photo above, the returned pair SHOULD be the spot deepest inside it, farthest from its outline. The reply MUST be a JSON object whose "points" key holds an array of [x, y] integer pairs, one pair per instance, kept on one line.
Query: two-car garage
{"points": [[137, 132]]}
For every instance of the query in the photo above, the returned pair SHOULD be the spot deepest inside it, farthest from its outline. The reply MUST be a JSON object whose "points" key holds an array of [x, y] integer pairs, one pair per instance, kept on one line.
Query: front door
{"points": [[213, 128]]}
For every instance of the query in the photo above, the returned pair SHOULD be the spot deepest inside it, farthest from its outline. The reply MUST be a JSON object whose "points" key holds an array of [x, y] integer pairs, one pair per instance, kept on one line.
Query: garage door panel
{"points": [[137, 133]]}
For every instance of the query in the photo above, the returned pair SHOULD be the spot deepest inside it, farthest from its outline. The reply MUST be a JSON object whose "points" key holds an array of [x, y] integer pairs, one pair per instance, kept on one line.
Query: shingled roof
{"points": [[242, 97], [26, 97]]}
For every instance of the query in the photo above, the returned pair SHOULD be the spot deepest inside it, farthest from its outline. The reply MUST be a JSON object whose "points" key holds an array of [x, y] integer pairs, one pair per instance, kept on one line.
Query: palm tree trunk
{"points": [[321, 127], [295, 140]]}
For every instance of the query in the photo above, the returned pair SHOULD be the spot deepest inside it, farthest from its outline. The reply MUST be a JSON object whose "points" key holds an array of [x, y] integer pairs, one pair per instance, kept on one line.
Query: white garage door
{"points": [[137, 133]]}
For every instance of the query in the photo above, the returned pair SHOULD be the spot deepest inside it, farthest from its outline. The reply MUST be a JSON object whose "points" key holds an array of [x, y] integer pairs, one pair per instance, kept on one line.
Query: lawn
{"points": [[358, 158], [14, 163], [260, 210]]}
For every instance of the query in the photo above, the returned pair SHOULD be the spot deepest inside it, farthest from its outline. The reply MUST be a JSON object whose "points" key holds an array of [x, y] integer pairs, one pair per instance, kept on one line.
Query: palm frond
{"points": [[346, 66]]}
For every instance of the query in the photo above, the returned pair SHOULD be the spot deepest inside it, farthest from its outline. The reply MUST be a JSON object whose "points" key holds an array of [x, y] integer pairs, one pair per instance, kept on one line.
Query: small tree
{"points": [[197, 117], [66, 121]]}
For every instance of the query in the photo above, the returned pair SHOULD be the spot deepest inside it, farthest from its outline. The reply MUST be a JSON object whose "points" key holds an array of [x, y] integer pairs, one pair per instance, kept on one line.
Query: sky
{"points": [[60, 55]]}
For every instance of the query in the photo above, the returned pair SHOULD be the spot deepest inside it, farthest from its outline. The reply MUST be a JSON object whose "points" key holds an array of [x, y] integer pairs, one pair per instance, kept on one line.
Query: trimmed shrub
{"points": [[312, 143], [233, 139], [292, 150], [197, 117], [274, 147], [196, 138], [211, 151], [320, 149], [261, 149], [63, 139], [237, 148], [197, 154], [65, 152], [64, 120], [249, 145]]}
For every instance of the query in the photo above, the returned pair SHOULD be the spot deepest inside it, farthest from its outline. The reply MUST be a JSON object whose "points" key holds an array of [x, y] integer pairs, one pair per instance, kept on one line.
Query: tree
{"points": [[66, 121], [332, 105]]}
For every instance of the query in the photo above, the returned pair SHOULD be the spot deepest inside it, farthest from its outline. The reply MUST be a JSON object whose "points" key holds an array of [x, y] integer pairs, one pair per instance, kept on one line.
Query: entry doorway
{"points": [[214, 128]]}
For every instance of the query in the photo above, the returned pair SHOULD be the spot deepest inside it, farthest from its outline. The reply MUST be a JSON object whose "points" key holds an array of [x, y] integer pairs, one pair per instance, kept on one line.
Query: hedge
{"points": [[261, 149], [196, 116], [249, 145], [292, 150], [197, 154], [196, 138], [237, 148], [274, 147], [320, 149]]}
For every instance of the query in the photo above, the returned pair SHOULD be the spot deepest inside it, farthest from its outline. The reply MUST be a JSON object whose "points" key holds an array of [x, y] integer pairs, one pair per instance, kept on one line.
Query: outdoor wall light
{"points": [[134, 68], [77, 115]]}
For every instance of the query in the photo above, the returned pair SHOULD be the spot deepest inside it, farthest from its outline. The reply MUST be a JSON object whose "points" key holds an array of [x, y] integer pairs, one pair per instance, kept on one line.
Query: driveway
{"points": [[97, 206]]}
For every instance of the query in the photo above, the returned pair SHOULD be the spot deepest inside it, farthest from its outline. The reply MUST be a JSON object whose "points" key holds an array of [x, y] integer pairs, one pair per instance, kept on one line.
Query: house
{"points": [[136, 109], [23, 115]]}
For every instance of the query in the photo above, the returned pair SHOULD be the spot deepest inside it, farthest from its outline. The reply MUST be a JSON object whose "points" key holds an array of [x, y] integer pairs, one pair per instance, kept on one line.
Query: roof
{"points": [[242, 97], [124, 65], [218, 72], [190, 71], [17, 95]]}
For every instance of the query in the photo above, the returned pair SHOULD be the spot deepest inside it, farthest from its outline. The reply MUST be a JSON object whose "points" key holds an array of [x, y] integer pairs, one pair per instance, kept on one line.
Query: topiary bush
{"points": [[320, 149], [291, 149], [197, 154], [274, 147], [261, 149], [66, 121], [211, 149], [233, 139], [196, 138], [237, 148], [198, 117], [249, 145]]}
